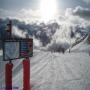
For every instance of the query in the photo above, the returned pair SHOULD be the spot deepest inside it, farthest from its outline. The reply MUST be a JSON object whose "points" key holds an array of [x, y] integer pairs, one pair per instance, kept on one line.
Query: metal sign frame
{"points": [[19, 40]]}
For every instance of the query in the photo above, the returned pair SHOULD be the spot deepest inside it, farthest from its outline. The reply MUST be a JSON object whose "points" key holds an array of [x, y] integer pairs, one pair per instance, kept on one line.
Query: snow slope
{"points": [[54, 71], [82, 47]]}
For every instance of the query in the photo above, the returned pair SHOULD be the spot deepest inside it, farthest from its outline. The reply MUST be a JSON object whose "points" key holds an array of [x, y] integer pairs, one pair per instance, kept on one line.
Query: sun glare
{"points": [[48, 10]]}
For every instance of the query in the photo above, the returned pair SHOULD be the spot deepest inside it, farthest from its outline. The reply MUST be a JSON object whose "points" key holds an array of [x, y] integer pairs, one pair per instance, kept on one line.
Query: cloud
{"points": [[87, 1], [26, 15], [30, 15], [57, 46], [79, 13], [82, 12], [74, 21], [78, 16], [7, 13], [18, 32], [37, 43], [55, 34]]}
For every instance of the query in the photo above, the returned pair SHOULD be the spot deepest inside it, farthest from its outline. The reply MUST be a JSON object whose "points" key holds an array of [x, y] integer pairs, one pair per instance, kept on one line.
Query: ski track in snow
{"points": [[53, 71], [61, 72]]}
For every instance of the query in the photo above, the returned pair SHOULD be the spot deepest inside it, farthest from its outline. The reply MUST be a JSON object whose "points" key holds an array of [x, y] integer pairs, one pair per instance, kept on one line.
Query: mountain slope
{"points": [[83, 46]]}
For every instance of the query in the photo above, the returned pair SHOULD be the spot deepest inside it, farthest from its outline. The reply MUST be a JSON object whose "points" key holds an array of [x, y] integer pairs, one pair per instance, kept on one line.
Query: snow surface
{"points": [[82, 47], [53, 71]]}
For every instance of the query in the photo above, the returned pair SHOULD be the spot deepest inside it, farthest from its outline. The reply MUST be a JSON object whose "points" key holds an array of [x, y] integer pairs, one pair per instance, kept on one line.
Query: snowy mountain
{"points": [[81, 46], [52, 33]]}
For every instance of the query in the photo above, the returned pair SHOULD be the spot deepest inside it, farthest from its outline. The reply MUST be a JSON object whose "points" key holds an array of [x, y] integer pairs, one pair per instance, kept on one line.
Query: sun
{"points": [[48, 10]]}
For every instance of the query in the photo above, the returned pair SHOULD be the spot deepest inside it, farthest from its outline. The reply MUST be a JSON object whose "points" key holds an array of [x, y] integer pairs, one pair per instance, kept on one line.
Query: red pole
{"points": [[8, 76], [26, 74]]}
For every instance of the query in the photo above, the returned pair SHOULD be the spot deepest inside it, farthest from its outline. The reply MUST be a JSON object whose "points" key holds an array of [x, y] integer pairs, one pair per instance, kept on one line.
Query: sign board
{"points": [[26, 48], [17, 48], [11, 50]]}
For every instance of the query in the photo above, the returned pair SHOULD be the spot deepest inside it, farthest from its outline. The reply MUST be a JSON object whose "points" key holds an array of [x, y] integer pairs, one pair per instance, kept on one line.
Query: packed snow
{"points": [[53, 71]]}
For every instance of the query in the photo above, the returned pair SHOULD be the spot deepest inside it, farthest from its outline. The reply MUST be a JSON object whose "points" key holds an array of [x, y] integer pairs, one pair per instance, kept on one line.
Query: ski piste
{"points": [[54, 71]]}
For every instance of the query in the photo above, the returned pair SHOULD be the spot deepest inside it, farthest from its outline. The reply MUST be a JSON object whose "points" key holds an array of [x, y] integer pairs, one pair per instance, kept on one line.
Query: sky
{"points": [[30, 9], [20, 4]]}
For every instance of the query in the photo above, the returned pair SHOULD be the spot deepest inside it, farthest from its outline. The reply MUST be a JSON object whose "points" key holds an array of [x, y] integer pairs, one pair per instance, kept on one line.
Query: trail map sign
{"points": [[17, 48]]}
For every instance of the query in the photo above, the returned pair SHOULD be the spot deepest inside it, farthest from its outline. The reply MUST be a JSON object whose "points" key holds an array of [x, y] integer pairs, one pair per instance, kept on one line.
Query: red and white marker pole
{"points": [[26, 74], [8, 76]]}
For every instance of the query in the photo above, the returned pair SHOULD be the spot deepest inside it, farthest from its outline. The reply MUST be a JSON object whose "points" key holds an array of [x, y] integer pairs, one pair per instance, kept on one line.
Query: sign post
{"points": [[8, 76], [26, 74], [9, 66], [16, 48]]}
